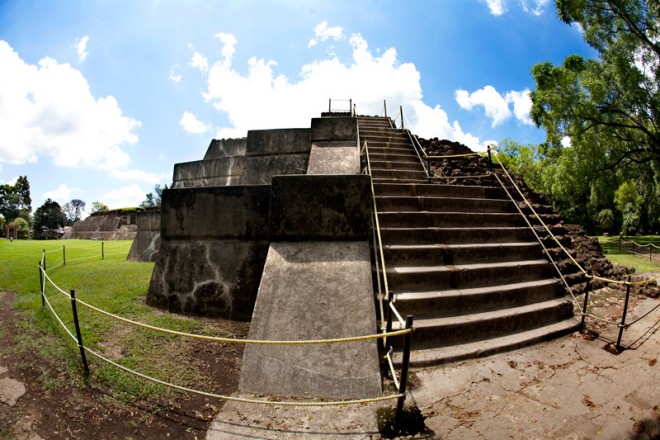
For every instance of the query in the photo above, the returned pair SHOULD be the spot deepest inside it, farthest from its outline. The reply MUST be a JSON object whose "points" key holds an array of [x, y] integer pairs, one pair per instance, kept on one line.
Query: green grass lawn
{"points": [[114, 285], [610, 245]]}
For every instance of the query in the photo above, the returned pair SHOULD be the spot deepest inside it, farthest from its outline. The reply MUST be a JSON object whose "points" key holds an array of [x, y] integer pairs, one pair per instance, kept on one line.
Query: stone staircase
{"points": [[460, 259]]}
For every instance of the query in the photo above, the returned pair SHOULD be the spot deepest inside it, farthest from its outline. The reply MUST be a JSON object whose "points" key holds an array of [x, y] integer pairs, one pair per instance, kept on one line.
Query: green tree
{"points": [[99, 207], [152, 199], [73, 210], [613, 101], [15, 200], [47, 218], [22, 225]]}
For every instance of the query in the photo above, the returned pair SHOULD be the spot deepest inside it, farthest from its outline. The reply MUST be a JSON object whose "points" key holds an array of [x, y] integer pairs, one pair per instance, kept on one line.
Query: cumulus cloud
{"points": [[497, 7], [191, 124], [81, 48], [199, 61], [322, 33], [174, 75], [61, 194], [261, 98], [48, 110], [124, 197], [535, 7], [138, 175], [496, 106]]}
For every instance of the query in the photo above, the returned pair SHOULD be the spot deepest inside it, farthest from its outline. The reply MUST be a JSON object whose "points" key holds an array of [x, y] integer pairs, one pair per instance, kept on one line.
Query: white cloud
{"points": [[191, 124], [522, 105], [81, 48], [124, 197], [48, 110], [537, 7], [138, 175], [228, 45], [322, 33], [174, 75], [61, 194], [496, 106], [263, 99], [199, 61], [497, 7]]}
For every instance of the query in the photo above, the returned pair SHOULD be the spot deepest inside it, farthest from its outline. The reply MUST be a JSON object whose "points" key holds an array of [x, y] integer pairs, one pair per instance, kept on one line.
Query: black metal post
{"points": [[44, 254], [78, 334], [403, 382], [584, 306], [622, 326], [41, 286], [64, 254], [388, 325], [385, 107], [651, 252], [329, 105], [102, 251], [401, 113]]}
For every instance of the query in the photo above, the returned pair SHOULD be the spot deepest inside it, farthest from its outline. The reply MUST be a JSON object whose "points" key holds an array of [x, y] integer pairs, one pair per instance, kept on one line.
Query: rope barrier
{"points": [[47, 278], [245, 341], [58, 319], [451, 156], [392, 370], [242, 399], [54, 250], [396, 313]]}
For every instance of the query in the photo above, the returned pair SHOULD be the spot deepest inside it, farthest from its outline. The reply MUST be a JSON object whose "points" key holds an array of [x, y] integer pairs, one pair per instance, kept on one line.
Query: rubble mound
{"points": [[586, 251]]}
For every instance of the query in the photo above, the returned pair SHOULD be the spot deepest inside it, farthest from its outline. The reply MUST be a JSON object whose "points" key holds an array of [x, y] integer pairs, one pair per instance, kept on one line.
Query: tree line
{"points": [[600, 163], [50, 218]]}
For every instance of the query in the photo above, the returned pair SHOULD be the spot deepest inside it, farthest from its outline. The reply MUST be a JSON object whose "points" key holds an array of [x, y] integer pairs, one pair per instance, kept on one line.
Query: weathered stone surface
{"points": [[314, 290], [334, 158], [10, 390], [334, 129], [209, 172], [147, 240], [280, 141], [215, 213], [320, 208], [260, 170], [108, 225], [208, 277], [225, 148]]}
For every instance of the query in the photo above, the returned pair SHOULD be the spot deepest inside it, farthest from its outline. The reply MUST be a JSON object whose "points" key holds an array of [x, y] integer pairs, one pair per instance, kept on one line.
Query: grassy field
{"points": [[114, 285], [610, 246]]}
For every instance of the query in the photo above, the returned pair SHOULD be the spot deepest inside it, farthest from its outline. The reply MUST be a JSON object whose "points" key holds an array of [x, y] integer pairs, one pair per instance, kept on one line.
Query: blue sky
{"points": [[99, 98]]}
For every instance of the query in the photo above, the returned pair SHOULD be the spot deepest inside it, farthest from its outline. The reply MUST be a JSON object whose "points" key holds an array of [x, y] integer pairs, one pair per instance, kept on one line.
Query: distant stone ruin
{"points": [[118, 224], [147, 240]]}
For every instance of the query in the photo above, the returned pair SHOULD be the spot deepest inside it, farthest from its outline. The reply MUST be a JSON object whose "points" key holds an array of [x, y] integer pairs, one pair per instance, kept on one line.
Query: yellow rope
{"points": [[243, 399], [608, 280], [245, 341]]}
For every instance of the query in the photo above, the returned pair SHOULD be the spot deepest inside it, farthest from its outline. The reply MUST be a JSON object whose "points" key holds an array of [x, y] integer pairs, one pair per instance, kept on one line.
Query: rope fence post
{"points": [[64, 255], [388, 325], [622, 326], [44, 259], [651, 253], [78, 334], [102, 250], [401, 113], [41, 286], [385, 107], [586, 301], [403, 382]]}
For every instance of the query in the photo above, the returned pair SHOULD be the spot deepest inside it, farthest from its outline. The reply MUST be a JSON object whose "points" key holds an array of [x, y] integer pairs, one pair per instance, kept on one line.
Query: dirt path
{"points": [[40, 402]]}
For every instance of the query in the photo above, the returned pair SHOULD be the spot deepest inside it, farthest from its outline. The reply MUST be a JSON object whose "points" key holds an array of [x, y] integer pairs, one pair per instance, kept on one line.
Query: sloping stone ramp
{"points": [[459, 258]]}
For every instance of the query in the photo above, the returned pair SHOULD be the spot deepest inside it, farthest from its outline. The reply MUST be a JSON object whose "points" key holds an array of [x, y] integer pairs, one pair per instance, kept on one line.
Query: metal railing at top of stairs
{"points": [[351, 107]]}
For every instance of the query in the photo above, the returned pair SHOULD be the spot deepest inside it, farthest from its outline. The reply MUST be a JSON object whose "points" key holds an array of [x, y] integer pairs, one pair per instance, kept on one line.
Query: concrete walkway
{"points": [[569, 388]]}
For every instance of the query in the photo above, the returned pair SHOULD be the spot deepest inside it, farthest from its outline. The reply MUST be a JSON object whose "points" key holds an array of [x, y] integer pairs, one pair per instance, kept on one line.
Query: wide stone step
{"points": [[396, 165], [390, 148], [399, 180], [423, 278], [397, 174], [398, 219], [443, 204], [426, 357], [454, 330], [435, 254], [385, 155], [457, 235], [453, 302], [439, 190]]}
